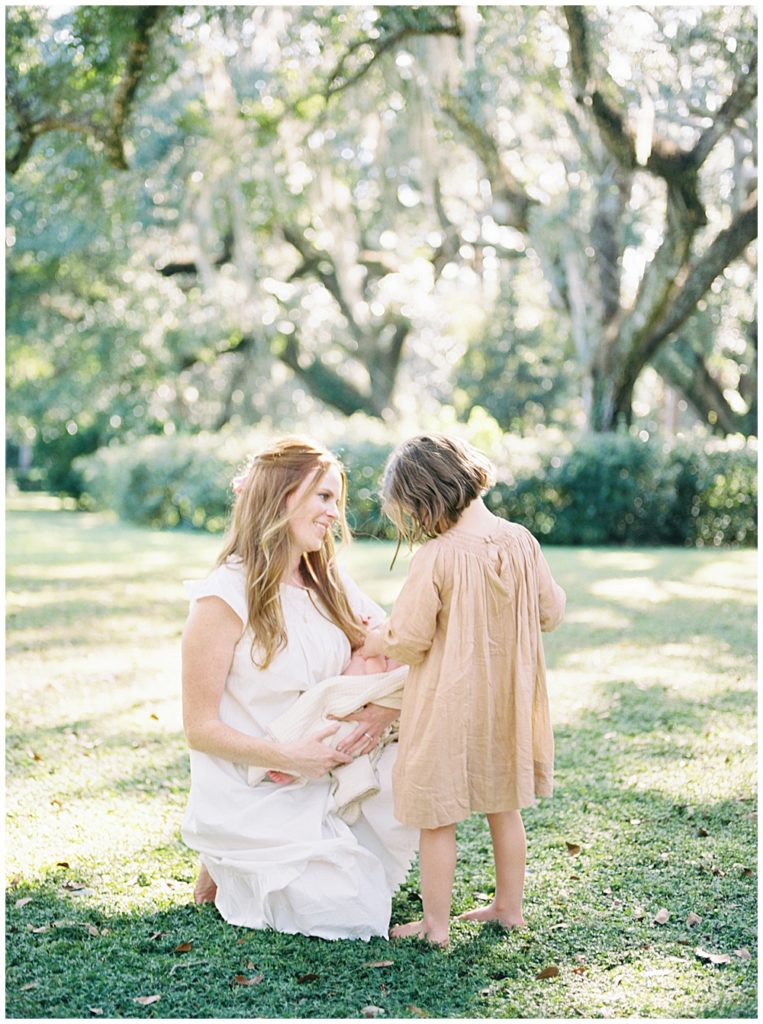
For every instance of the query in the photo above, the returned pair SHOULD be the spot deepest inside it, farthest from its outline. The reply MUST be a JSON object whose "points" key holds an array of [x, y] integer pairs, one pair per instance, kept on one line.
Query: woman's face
{"points": [[315, 508]]}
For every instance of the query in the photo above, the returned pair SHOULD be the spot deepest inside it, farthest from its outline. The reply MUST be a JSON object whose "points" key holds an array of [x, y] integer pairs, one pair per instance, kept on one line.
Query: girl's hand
{"points": [[312, 758], [374, 643], [372, 722]]}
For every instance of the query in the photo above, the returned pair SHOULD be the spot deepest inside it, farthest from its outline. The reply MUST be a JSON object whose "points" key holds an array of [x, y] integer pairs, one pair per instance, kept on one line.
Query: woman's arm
{"points": [[209, 639]]}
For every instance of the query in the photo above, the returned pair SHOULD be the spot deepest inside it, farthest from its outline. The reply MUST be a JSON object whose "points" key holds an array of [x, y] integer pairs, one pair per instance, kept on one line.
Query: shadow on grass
{"points": [[67, 956]]}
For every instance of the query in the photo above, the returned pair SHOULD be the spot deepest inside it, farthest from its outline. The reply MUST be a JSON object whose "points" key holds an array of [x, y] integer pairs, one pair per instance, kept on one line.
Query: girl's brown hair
{"points": [[428, 482], [259, 536]]}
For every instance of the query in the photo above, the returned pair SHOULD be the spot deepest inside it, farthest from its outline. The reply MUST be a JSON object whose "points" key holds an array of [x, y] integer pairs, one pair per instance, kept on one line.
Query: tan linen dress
{"points": [[475, 729]]}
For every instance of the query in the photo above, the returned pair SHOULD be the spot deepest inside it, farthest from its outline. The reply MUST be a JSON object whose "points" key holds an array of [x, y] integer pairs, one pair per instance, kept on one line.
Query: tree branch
{"points": [[137, 57], [110, 135], [727, 246], [380, 47], [666, 160], [741, 96], [326, 384], [504, 185]]}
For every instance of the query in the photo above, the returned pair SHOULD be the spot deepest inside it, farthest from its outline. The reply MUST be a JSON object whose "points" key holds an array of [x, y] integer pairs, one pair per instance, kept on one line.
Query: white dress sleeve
{"points": [[361, 603], [226, 582]]}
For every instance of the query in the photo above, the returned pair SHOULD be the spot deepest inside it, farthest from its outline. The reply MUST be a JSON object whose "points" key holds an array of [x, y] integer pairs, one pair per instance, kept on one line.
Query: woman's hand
{"points": [[372, 722], [312, 758]]}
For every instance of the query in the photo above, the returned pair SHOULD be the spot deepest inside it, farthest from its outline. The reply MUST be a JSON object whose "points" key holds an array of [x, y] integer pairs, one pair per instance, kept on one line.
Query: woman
{"points": [[273, 618]]}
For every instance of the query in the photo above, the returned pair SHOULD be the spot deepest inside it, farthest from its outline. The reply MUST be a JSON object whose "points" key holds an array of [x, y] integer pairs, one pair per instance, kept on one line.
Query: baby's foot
{"points": [[205, 889], [281, 777], [418, 930], [493, 913]]}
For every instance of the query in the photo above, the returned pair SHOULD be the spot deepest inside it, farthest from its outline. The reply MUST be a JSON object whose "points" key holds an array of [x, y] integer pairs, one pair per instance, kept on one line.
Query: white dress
{"points": [[281, 855]]}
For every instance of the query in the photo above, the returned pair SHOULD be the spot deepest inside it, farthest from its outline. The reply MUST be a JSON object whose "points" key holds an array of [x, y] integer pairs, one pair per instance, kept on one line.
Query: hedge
{"points": [[603, 489]]}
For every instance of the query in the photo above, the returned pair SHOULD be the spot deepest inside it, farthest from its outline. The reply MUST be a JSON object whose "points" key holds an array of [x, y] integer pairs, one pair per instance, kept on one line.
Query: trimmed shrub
{"points": [[605, 489], [618, 489]]}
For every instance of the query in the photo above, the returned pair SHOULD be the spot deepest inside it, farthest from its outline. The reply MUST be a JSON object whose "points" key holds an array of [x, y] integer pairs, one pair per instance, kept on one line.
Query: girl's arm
{"points": [[209, 639], [551, 598], [410, 629]]}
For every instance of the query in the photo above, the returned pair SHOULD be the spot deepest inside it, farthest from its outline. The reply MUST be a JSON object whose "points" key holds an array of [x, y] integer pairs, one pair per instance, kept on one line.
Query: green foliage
{"points": [[163, 482], [524, 377], [606, 489], [618, 489]]}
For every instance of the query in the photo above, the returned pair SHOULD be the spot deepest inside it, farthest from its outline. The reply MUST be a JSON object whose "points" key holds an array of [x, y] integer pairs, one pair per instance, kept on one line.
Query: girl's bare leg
{"points": [[205, 889], [437, 861], [510, 853]]}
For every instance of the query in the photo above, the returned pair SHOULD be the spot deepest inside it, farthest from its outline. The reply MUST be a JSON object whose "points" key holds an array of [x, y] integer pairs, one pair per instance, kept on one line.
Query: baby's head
{"points": [[428, 482]]}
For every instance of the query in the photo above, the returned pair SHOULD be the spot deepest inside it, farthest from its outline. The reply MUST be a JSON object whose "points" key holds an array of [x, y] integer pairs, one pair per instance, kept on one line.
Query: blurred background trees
{"points": [[527, 218]]}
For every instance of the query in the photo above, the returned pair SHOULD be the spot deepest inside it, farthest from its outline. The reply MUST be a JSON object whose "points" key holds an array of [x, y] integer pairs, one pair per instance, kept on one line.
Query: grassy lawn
{"points": [[652, 680]]}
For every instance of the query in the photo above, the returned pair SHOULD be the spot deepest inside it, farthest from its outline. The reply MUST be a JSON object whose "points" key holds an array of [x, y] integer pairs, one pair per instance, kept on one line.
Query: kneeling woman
{"points": [[275, 617]]}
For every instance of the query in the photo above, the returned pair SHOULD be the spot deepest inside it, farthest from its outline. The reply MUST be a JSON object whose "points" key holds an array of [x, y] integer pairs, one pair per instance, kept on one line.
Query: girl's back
{"points": [[475, 732]]}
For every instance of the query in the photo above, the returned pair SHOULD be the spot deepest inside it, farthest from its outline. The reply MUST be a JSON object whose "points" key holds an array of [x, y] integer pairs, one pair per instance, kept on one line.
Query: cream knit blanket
{"points": [[318, 707]]}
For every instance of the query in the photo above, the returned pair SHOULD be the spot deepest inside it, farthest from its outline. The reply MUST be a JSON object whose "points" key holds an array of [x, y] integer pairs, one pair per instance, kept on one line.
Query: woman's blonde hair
{"points": [[428, 482], [259, 536]]}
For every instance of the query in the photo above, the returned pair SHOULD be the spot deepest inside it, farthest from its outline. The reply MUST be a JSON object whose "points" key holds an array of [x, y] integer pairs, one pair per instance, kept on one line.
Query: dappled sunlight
{"points": [[630, 590], [624, 560], [738, 575], [599, 617]]}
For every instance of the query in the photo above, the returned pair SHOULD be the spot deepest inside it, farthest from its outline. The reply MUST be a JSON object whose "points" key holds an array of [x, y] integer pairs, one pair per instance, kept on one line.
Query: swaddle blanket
{"points": [[317, 707]]}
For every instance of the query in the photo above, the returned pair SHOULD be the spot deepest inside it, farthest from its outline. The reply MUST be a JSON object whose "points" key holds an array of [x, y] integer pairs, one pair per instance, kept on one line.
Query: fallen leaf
{"points": [[22, 902], [639, 913], [662, 915], [683, 940], [693, 919], [27, 987], [380, 963], [743, 954], [579, 970], [746, 872], [241, 979], [155, 717], [304, 978], [574, 878], [372, 1011], [250, 966], [155, 935], [572, 848], [184, 947], [92, 930], [39, 931], [416, 1010], [702, 832], [482, 896], [635, 821], [552, 971], [146, 1000], [73, 886], [62, 863], [96, 1010], [34, 756], [713, 958]]}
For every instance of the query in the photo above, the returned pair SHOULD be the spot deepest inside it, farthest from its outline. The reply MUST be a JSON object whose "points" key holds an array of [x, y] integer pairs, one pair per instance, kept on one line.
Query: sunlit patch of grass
{"points": [[652, 680]]}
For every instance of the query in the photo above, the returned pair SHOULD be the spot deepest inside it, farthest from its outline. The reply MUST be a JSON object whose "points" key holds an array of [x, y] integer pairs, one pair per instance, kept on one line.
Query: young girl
{"points": [[475, 732]]}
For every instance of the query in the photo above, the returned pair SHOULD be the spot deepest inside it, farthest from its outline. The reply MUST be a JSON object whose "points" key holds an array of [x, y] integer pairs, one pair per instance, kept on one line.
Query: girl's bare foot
{"points": [[205, 889], [492, 913], [418, 930]]}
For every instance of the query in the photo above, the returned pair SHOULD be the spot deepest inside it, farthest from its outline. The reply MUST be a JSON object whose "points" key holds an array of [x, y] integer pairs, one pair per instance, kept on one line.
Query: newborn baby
{"points": [[356, 666]]}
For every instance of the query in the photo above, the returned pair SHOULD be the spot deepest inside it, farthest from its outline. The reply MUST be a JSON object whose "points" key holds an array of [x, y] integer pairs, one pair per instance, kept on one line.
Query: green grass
{"points": [[652, 680]]}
